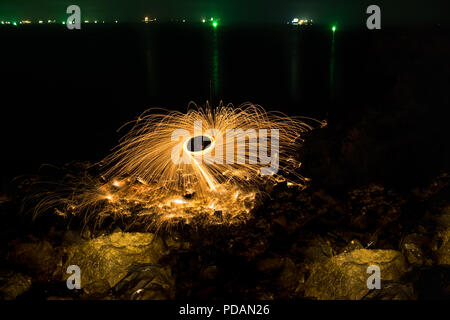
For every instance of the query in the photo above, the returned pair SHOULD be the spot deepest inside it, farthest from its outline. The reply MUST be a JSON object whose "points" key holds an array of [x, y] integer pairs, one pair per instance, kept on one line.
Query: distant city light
{"points": [[116, 21], [203, 20], [41, 22], [15, 23], [212, 19], [86, 21], [301, 22], [147, 19], [333, 28], [215, 24]]}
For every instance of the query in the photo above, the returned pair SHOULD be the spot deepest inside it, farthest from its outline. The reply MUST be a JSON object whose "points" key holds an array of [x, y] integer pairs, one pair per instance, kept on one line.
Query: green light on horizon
{"points": [[15, 23], [333, 28], [215, 24]]}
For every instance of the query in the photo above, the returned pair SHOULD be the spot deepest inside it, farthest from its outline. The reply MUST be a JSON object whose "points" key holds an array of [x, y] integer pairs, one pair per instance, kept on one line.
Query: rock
{"points": [[414, 247], [4, 198], [96, 289], [345, 276], [443, 248], [440, 211], [289, 277], [248, 246], [373, 207], [440, 215], [53, 298], [13, 285], [105, 260], [261, 293], [392, 290], [431, 283], [175, 242], [318, 249], [209, 273], [146, 282], [436, 185], [39, 257], [269, 265], [353, 245]]}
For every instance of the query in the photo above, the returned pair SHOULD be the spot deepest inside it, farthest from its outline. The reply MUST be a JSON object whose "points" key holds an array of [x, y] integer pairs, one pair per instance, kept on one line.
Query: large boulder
{"points": [[105, 260], [345, 276], [441, 218], [443, 248], [13, 285], [146, 282]]}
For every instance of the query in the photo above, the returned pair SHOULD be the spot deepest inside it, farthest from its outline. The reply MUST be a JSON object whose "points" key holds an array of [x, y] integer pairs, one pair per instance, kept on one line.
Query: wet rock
{"points": [[13, 285], [105, 260], [146, 282], [345, 276]]}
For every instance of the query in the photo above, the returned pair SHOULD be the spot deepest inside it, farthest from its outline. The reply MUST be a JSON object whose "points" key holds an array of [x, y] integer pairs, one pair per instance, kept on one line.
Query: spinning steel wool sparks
{"points": [[204, 166]]}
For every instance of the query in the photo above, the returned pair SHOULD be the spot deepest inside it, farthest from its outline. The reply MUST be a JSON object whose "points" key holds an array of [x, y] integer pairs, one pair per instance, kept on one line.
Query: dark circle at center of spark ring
{"points": [[198, 143]]}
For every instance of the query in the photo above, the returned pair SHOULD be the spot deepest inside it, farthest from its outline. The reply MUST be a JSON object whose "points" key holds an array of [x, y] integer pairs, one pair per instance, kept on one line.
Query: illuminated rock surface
{"points": [[310, 245], [344, 276], [104, 261], [13, 285]]}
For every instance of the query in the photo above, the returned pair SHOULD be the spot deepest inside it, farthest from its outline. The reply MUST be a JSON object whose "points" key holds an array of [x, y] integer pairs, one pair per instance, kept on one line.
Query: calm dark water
{"points": [[65, 93]]}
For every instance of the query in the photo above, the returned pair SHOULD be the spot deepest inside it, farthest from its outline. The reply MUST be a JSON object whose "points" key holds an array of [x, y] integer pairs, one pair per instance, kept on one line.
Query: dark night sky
{"points": [[345, 12]]}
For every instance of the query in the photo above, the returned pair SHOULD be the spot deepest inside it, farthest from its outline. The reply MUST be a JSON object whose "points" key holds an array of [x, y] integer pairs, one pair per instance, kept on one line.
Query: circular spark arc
{"points": [[141, 181]]}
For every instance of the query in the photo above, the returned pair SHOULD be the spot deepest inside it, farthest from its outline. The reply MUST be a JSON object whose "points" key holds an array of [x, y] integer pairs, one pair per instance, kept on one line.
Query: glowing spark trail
{"points": [[203, 166]]}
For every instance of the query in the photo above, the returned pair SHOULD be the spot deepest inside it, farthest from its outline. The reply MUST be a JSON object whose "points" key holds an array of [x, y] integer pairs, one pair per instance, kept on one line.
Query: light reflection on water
{"points": [[215, 66], [280, 66]]}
